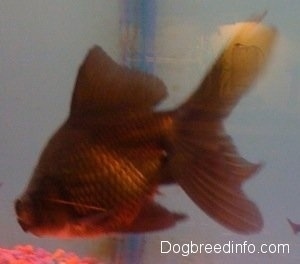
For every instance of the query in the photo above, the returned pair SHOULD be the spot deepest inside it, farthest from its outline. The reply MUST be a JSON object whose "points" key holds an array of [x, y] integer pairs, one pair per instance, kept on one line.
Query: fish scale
{"points": [[125, 195]]}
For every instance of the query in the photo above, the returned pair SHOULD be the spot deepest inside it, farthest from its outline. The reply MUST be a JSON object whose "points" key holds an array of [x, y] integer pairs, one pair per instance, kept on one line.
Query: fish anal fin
{"points": [[153, 217]]}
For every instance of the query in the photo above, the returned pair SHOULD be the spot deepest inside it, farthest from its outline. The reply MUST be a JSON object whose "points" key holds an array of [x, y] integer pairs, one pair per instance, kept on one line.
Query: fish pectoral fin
{"points": [[102, 85], [92, 220], [153, 217]]}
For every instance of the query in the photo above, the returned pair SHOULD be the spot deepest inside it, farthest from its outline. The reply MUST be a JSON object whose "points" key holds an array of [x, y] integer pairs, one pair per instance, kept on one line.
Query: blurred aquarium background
{"points": [[42, 43]]}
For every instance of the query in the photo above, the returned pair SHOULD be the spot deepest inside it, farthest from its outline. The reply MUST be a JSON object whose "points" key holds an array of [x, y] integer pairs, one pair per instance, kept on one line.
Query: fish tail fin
{"points": [[206, 164], [203, 159]]}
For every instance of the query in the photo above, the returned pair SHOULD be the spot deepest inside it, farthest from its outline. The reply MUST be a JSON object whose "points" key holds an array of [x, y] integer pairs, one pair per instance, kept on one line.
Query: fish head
{"points": [[40, 219], [37, 214], [43, 216], [48, 207], [36, 210]]}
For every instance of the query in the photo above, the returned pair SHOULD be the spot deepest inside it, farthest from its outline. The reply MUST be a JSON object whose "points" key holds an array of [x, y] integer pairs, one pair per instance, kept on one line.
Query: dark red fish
{"points": [[294, 226], [100, 171]]}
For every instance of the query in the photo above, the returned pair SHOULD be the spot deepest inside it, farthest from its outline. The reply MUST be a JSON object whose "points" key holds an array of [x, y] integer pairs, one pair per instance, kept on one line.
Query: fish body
{"points": [[100, 171]]}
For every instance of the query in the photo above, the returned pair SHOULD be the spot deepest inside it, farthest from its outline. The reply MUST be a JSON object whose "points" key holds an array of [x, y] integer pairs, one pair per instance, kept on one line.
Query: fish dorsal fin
{"points": [[103, 86]]}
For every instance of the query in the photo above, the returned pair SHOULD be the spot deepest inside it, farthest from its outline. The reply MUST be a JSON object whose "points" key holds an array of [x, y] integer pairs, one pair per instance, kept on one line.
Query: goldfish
{"points": [[101, 170]]}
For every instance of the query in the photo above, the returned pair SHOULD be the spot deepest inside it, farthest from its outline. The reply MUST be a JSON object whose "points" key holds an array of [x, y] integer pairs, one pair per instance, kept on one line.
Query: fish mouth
{"points": [[25, 226], [23, 215]]}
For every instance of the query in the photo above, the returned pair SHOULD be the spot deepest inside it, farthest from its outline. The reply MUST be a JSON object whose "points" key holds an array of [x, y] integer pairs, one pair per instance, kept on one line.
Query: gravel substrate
{"points": [[27, 254]]}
